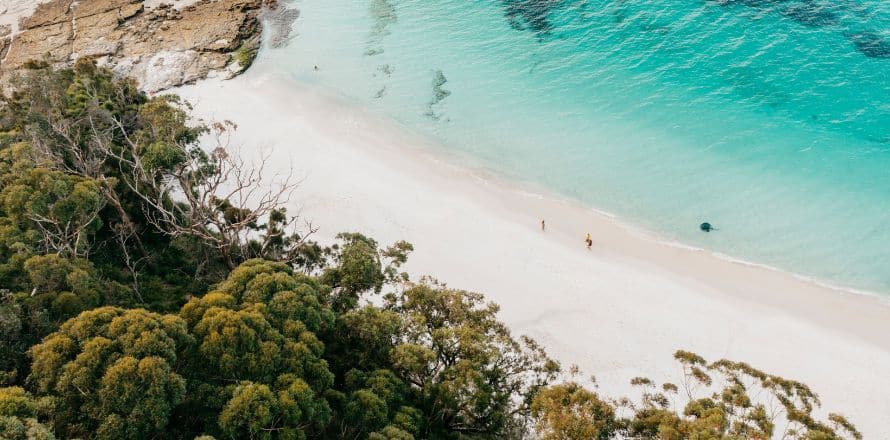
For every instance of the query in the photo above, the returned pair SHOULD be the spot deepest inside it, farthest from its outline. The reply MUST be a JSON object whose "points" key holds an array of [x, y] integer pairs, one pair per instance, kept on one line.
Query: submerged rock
{"points": [[823, 13], [530, 14], [811, 14], [439, 94], [383, 14], [280, 21], [871, 44]]}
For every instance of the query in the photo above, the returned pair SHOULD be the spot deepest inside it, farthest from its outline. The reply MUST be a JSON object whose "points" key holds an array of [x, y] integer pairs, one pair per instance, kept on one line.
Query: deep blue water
{"points": [[768, 118]]}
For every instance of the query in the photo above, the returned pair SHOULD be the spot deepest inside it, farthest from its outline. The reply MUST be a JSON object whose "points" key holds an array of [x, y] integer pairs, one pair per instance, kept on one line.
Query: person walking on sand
{"points": [[589, 241], [543, 226]]}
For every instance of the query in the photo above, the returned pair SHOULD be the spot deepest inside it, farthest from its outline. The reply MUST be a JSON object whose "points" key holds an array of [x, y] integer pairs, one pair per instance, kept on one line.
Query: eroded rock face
{"points": [[161, 47], [4, 40]]}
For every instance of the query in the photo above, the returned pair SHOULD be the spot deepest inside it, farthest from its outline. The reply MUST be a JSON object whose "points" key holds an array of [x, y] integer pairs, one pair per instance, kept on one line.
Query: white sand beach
{"points": [[618, 310]]}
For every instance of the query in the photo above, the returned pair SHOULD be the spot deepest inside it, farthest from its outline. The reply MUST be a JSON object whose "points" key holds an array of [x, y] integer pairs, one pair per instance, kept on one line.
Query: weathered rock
{"points": [[52, 41], [53, 12], [4, 46], [161, 47], [5, 30], [98, 26], [213, 29], [87, 8]]}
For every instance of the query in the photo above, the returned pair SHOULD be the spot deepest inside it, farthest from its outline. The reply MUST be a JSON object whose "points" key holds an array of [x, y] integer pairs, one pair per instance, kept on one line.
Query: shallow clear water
{"points": [[767, 118]]}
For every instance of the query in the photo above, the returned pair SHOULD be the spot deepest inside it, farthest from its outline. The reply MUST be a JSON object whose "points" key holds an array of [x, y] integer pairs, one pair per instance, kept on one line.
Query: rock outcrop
{"points": [[161, 46]]}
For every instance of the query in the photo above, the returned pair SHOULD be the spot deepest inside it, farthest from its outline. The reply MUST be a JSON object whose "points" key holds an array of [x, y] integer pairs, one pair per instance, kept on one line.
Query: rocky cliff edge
{"points": [[159, 45]]}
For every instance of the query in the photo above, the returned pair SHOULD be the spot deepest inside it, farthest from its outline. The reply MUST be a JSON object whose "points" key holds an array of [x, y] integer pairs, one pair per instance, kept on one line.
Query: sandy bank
{"points": [[618, 310]]}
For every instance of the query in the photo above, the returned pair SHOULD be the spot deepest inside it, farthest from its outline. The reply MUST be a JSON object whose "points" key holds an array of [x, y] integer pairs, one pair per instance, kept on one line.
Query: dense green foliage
{"points": [[138, 302], [249, 360], [18, 416]]}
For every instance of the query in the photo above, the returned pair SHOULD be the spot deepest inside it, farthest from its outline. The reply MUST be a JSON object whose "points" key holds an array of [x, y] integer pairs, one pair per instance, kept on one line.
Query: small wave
{"points": [[808, 279]]}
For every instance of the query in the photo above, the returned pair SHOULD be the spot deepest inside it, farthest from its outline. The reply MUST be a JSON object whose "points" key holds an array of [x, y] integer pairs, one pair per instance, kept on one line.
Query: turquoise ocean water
{"points": [[768, 118]]}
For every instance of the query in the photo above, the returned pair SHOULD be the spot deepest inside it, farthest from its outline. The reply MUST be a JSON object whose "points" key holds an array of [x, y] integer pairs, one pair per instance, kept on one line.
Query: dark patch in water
{"points": [[439, 94], [750, 85], [871, 44], [385, 69], [810, 13], [824, 13], [755, 3], [384, 15], [530, 14]]}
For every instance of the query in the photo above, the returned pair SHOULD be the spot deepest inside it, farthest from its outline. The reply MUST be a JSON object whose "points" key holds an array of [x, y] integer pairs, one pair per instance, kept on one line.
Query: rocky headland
{"points": [[161, 44]]}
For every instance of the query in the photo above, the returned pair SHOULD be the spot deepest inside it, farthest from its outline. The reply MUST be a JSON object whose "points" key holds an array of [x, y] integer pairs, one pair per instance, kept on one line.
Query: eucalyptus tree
{"points": [[469, 374], [256, 368], [112, 372], [19, 416]]}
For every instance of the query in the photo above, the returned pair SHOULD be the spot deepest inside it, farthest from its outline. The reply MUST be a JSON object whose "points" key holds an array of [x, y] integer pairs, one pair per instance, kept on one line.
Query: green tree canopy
{"points": [[570, 412], [112, 372], [470, 374], [19, 413], [359, 266], [257, 360], [53, 210]]}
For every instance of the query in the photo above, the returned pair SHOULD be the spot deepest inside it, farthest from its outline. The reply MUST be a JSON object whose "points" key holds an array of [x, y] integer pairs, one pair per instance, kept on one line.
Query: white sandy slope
{"points": [[618, 310]]}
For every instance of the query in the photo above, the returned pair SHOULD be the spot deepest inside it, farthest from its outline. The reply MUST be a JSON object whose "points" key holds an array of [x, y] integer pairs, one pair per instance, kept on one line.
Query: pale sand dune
{"points": [[618, 311]]}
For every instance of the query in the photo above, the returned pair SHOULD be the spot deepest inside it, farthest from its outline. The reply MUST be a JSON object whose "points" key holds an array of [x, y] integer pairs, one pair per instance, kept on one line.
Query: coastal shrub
{"points": [[470, 374], [112, 372], [570, 412], [19, 413], [722, 400], [111, 197], [246, 54], [259, 328]]}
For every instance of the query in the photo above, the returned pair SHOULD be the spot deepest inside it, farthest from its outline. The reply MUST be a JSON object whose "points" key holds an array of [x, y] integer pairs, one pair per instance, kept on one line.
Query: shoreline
{"points": [[618, 310], [533, 190]]}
